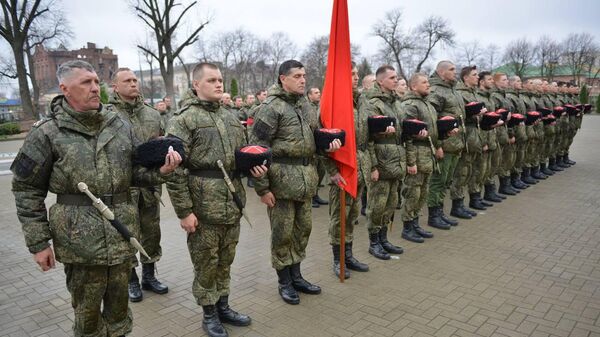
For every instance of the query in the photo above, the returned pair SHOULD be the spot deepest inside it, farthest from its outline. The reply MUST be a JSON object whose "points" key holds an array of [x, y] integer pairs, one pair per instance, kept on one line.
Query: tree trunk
{"points": [[26, 103], [167, 75], [36, 89]]}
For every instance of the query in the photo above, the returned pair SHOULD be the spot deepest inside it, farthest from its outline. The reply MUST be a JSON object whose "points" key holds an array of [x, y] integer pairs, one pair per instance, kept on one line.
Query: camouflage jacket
{"points": [[526, 96], [503, 133], [473, 133], [419, 152], [209, 132], [448, 102], [93, 147], [488, 136], [240, 113], [390, 155], [519, 130], [285, 122]]}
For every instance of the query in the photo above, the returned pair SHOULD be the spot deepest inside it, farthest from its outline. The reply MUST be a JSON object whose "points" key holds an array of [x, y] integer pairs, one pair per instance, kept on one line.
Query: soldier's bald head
{"points": [[443, 66], [199, 69]]}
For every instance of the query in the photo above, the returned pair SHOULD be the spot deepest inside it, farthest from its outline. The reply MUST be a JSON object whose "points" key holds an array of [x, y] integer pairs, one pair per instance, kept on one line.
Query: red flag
{"points": [[336, 101]]}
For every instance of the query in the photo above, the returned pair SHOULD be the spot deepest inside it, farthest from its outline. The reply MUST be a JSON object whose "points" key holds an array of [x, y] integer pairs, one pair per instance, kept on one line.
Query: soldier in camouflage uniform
{"points": [[420, 154], [538, 98], [574, 125], [82, 141], [147, 125], [506, 142], [285, 123], [364, 152], [238, 108], [389, 165], [514, 95], [447, 102], [161, 107], [314, 97], [201, 198]]}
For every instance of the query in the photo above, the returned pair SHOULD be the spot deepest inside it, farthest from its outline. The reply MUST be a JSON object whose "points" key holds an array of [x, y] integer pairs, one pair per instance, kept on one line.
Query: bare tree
{"points": [[547, 55], [222, 47], [394, 41], [15, 27], [468, 53], [490, 57], [314, 59], [279, 47], [579, 50], [519, 55], [164, 20], [433, 31]]}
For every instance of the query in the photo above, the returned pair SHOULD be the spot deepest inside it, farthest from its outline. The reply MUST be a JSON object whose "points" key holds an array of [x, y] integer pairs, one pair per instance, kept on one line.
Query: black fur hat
{"points": [[532, 116], [571, 110], [489, 119], [557, 111], [325, 136], [473, 108], [250, 156], [544, 111], [379, 123], [503, 113], [549, 119], [515, 119], [152, 154], [587, 108], [445, 125]]}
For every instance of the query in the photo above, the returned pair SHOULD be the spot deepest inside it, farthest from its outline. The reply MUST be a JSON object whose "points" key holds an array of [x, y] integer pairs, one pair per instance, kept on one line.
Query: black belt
{"points": [[361, 147], [215, 174], [84, 200], [421, 142], [387, 141], [293, 161]]}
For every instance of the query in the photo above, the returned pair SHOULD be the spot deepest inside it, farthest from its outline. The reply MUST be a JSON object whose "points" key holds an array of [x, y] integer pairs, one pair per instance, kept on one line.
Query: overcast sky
{"points": [[112, 23]]}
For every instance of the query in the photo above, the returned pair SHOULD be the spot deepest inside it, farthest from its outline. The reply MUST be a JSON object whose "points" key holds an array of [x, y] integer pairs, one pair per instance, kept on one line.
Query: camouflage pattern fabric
{"points": [[291, 225]]}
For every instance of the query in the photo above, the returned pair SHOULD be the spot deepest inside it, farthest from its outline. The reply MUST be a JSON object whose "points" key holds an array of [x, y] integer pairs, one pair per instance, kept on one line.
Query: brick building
{"points": [[47, 61]]}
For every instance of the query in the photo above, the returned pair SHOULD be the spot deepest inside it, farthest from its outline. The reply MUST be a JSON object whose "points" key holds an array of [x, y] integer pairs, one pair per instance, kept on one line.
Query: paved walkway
{"points": [[527, 267]]}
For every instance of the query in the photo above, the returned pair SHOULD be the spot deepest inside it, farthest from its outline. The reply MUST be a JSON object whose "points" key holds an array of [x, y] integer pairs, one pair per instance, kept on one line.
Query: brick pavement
{"points": [[527, 267]]}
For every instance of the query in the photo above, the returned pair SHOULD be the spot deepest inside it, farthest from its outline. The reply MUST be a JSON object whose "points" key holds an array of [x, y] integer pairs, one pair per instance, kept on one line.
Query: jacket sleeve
{"points": [[437, 101], [409, 111], [31, 174], [178, 188], [369, 109], [266, 123]]}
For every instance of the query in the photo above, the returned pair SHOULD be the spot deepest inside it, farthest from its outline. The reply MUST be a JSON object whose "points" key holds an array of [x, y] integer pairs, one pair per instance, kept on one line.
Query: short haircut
{"points": [[65, 69], [536, 81], [513, 79], [443, 65], [310, 90], [113, 78], [260, 92], [286, 68], [198, 71], [465, 71], [414, 78], [498, 76], [236, 97], [383, 69], [482, 76]]}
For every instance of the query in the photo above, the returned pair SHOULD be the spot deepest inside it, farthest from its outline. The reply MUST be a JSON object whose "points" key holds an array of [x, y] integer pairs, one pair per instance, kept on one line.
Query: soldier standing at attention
{"points": [[314, 97], [147, 124], [82, 141], [284, 123]]}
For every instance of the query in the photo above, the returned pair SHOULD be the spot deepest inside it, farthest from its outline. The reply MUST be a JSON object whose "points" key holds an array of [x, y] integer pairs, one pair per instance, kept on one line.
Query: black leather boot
{"points": [[387, 246], [475, 202], [286, 290], [409, 233], [535, 173], [149, 281], [250, 182], [320, 201], [315, 204], [553, 165], [375, 247], [458, 210], [351, 262], [135, 292], [516, 181], [526, 177], [489, 193], [445, 218], [230, 316], [568, 161], [435, 220], [560, 161], [211, 323], [335, 249], [545, 170], [423, 233], [300, 284], [505, 187]]}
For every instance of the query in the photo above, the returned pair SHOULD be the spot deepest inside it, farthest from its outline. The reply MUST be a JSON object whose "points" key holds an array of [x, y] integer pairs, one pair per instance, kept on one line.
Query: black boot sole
{"points": [[462, 216], [152, 289], [233, 322], [379, 256], [413, 239]]}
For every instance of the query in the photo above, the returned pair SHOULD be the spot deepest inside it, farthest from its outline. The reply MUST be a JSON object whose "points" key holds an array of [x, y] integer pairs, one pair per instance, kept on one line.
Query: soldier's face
{"points": [[517, 84], [388, 81], [167, 101], [421, 86], [250, 99], [471, 79], [449, 74], [238, 102], [226, 99], [126, 85], [402, 87], [502, 82], [161, 106], [487, 82], [368, 82], [314, 95], [262, 96], [354, 78], [210, 86], [295, 81], [82, 90]]}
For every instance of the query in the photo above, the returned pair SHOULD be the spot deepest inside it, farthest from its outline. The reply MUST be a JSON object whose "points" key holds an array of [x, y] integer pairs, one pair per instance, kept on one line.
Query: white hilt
{"points": [[96, 202]]}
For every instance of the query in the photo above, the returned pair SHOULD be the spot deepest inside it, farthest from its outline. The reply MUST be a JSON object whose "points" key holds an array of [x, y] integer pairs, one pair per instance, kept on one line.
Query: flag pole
{"points": [[342, 234]]}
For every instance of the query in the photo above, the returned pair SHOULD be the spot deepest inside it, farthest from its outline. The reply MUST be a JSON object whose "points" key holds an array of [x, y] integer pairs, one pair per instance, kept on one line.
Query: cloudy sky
{"points": [[113, 23]]}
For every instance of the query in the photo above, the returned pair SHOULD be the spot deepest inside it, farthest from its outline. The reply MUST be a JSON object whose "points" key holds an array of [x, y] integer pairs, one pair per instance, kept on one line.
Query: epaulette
{"points": [[182, 110], [269, 99], [41, 122]]}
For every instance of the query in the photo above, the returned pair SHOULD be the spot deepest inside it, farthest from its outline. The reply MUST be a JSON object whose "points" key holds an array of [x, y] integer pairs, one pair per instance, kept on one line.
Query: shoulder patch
{"points": [[41, 122]]}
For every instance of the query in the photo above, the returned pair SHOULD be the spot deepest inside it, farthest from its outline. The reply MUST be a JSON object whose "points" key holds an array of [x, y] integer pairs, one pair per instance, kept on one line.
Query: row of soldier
{"points": [[422, 165]]}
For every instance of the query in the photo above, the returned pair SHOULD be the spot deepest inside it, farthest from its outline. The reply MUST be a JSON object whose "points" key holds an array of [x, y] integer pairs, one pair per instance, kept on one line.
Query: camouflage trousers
{"points": [[558, 143], [291, 224], [532, 156], [521, 151], [495, 165], [212, 249], [462, 173], [509, 156], [477, 166], [99, 299], [414, 193], [321, 170], [352, 212], [440, 181], [549, 148], [541, 151], [383, 199]]}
